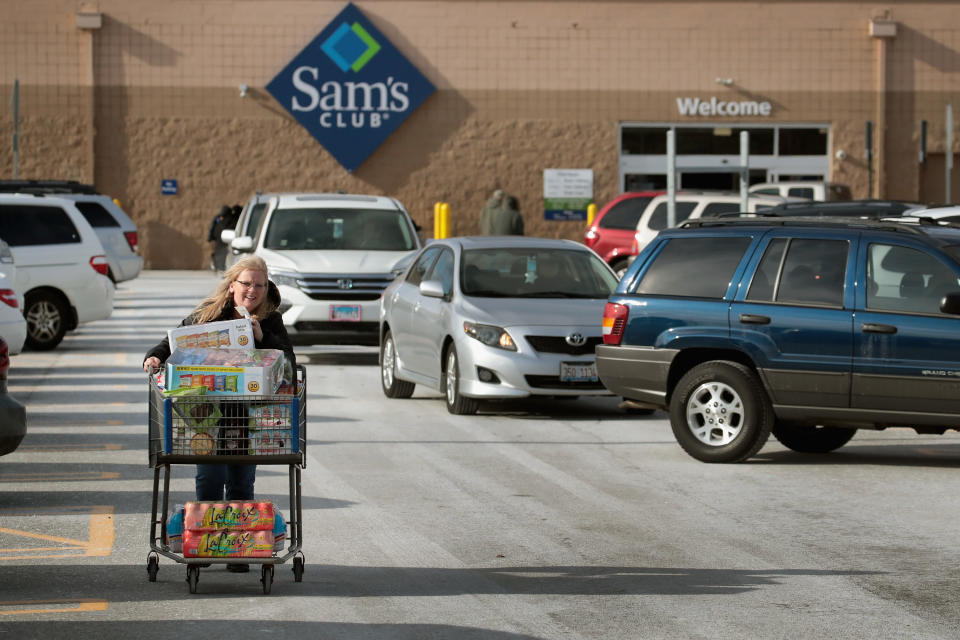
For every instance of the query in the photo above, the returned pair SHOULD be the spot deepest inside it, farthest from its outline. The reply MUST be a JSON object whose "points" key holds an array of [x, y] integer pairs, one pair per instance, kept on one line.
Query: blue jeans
{"points": [[238, 479]]}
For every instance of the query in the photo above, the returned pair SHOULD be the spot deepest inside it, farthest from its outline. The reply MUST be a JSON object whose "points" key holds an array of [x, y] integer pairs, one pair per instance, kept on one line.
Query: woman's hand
{"points": [[257, 331], [151, 363]]}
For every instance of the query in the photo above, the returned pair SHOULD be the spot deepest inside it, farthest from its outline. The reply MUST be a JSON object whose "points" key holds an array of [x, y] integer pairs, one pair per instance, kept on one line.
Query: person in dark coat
{"points": [[220, 222], [494, 204], [508, 221], [244, 284]]}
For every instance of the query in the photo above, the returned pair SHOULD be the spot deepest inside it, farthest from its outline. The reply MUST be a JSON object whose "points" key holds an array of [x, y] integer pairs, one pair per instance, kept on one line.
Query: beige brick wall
{"points": [[522, 86]]}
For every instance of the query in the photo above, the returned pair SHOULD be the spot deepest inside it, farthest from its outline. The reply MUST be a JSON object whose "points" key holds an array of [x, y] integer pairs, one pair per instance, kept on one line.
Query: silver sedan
{"points": [[495, 318]]}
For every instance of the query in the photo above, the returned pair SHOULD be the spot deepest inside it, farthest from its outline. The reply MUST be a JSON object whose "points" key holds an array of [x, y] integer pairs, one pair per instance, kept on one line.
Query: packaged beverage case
{"points": [[247, 515], [228, 543], [279, 532], [227, 334]]}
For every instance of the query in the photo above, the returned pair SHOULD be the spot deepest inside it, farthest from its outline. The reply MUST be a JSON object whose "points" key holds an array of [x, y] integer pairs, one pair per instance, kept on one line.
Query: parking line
{"points": [[70, 447], [84, 604], [99, 541], [56, 477]]}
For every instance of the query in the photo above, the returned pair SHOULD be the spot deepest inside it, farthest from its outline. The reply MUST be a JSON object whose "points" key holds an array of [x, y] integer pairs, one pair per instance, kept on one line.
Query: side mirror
{"points": [[432, 288], [243, 243], [950, 303], [227, 236]]}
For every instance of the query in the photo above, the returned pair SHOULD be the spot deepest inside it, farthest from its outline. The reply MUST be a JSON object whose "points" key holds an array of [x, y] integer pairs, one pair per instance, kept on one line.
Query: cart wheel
{"points": [[153, 565], [298, 569], [266, 577], [193, 575]]}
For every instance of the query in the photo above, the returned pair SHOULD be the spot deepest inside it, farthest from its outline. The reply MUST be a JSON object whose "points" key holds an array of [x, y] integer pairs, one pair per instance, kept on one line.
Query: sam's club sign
{"points": [[350, 88]]}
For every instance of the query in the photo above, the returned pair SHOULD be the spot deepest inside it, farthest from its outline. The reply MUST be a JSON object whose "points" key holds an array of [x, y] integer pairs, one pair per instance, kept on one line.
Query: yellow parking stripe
{"points": [[41, 536], [55, 477], [83, 604], [99, 541]]}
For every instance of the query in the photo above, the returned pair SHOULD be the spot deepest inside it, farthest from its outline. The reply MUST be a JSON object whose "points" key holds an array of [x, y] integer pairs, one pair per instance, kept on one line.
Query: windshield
{"points": [[535, 273], [339, 229]]}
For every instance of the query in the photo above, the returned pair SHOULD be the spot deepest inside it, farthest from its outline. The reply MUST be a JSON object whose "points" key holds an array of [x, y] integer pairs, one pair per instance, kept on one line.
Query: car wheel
{"points": [[720, 412], [393, 387], [811, 439], [620, 267], [456, 403], [46, 318]]}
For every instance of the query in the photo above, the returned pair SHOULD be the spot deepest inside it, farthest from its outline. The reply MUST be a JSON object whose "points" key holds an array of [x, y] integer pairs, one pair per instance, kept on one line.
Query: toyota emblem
{"points": [[576, 340], [345, 283]]}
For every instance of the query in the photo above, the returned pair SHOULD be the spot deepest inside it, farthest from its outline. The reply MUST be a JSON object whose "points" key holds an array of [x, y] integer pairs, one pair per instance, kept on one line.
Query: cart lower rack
{"points": [[233, 430]]}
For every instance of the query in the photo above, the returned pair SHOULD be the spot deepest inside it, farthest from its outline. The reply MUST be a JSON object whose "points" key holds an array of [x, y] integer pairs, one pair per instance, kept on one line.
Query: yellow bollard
{"points": [[445, 219], [591, 213], [436, 220]]}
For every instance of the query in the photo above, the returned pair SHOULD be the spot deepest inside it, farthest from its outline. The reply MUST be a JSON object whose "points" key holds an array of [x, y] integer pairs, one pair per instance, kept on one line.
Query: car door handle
{"points": [[873, 327], [752, 318]]}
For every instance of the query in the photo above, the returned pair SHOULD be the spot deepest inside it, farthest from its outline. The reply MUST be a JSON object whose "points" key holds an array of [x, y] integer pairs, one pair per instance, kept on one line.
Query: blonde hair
{"points": [[212, 306]]}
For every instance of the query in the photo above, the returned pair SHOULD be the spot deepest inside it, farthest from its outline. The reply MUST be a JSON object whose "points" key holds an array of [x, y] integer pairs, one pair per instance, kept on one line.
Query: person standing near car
{"points": [[245, 285], [494, 204], [219, 223], [507, 221]]}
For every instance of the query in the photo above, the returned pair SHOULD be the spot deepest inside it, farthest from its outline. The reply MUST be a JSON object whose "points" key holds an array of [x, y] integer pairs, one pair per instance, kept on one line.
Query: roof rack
{"points": [[46, 186], [803, 221]]}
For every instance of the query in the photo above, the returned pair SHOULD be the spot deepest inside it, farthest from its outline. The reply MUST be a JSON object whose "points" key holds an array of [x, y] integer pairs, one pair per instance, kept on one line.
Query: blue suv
{"points": [[806, 328]]}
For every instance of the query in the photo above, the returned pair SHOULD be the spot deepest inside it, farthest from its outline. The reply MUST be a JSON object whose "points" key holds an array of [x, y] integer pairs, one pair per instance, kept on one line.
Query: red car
{"points": [[611, 234]]}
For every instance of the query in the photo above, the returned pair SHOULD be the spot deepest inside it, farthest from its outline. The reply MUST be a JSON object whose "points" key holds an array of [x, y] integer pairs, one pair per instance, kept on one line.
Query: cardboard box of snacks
{"points": [[225, 372], [226, 334]]}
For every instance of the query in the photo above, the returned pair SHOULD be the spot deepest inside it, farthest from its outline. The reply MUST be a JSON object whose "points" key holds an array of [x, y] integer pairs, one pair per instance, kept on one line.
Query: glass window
{"points": [[905, 279], [813, 272], [717, 208], [761, 287], [802, 142], [97, 215], [422, 265], [443, 271], [625, 214], [253, 222], [695, 267], [25, 225], [658, 219], [801, 192], [640, 141], [339, 229], [771, 191], [536, 273], [722, 141]]}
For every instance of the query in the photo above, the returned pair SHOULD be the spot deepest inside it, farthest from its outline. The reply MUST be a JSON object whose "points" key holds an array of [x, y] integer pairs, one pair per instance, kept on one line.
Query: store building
{"points": [[177, 108]]}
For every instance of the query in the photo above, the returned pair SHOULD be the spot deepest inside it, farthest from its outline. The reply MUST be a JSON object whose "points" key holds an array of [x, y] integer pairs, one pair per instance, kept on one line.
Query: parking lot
{"points": [[533, 519]]}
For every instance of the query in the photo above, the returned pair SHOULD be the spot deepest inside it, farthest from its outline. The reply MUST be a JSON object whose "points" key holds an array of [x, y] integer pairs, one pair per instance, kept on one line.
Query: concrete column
{"points": [[883, 31], [89, 20]]}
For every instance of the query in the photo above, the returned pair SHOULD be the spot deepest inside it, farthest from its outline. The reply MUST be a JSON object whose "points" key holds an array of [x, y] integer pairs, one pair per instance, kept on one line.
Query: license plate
{"points": [[578, 372], [345, 313]]}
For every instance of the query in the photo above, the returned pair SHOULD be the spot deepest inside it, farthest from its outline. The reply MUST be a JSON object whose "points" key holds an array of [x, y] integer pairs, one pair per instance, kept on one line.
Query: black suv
{"points": [[809, 328]]}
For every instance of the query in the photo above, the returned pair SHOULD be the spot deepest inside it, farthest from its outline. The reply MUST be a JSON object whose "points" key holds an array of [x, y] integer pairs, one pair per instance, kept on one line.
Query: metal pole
{"points": [[16, 129], [744, 168], [671, 178], [949, 158]]}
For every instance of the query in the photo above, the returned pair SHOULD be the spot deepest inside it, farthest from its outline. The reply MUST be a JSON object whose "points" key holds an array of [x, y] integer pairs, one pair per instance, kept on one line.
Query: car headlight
{"points": [[288, 279], [490, 335]]}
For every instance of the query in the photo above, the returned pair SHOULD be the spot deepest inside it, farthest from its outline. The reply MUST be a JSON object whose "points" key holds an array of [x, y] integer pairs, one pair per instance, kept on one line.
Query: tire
{"points": [[730, 397], [392, 386], [46, 317], [456, 403], [812, 439], [620, 267]]}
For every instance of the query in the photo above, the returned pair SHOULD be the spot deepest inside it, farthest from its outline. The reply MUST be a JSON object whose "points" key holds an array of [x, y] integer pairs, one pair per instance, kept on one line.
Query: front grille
{"points": [[558, 344], [553, 382], [344, 286], [336, 327]]}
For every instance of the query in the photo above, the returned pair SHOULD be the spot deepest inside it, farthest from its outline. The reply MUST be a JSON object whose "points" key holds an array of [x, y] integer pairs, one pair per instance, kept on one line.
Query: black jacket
{"points": [[274, 336]]}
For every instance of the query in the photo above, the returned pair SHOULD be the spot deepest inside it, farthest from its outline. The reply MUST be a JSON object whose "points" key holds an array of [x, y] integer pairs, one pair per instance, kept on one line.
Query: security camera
{"points": [[840, 154]]}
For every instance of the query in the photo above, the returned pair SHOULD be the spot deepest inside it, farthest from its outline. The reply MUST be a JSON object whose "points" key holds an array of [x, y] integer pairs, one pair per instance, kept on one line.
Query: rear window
{"points": [[694, 267], [658, 219], [24, 225], [97, 215], [718, 208], [339, 229], [625, 214]]}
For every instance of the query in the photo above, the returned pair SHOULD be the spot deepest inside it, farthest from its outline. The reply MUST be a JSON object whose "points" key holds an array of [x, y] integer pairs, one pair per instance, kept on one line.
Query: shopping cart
{"points": [[232, 429]]}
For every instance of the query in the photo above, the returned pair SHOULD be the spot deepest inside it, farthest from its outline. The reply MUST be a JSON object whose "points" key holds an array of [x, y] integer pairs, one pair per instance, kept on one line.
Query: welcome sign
{"points": [[350, 88]]}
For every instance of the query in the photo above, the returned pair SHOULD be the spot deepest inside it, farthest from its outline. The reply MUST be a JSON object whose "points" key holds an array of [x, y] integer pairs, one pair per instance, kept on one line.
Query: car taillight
{"points": [[10, 297], [634, 247], [132, 240], [99, 264], [590, 237], [614, 320]]}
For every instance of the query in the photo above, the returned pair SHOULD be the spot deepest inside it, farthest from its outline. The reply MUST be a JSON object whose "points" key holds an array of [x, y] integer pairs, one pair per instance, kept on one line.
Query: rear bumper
{"points": [[637, 373], [13, 423]]}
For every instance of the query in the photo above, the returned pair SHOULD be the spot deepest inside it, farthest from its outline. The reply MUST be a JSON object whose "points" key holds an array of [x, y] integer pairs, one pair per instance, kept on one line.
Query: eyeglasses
{"points": [[250, 285]]}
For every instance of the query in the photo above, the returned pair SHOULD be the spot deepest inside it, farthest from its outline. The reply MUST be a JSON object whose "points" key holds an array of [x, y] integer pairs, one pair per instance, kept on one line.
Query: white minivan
{"points": [[806, 189], [694, 204], [61, 266], [331, 255]]}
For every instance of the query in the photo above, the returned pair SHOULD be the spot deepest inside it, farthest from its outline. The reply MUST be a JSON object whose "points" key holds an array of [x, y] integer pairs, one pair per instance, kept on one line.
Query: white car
{"points": [[13, 326], [61, 266], [806, 189], [331, 256], [117, 232], [248, 224], [949, 214], [495, 318]]}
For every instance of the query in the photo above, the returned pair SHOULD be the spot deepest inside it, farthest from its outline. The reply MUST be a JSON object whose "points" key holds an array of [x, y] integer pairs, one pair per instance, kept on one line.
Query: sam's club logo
{"points": [[350, 88]]}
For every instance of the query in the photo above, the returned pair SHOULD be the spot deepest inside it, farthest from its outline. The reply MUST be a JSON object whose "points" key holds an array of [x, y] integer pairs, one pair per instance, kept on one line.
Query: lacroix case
{"points": [[246, 515], [227, 544]]}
